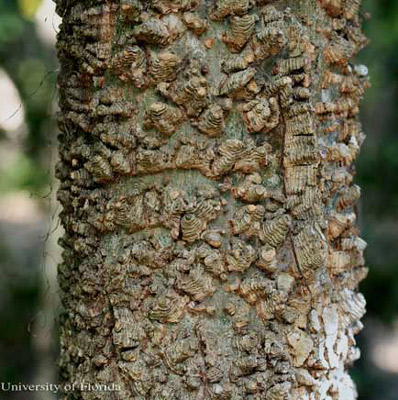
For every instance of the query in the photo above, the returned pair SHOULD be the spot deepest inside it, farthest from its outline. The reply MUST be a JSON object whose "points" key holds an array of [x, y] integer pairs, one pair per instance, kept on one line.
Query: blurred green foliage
{"points": [[27, 60], [378, 163], [31, 64], [28, 8], [22, 173]]}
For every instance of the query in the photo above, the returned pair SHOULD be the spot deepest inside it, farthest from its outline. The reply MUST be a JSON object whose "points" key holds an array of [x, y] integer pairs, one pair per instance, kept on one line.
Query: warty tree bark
{"points": [[211, 249]]}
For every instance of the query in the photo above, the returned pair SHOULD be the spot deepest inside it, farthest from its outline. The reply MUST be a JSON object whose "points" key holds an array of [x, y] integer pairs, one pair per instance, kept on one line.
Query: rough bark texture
{"points": [[211, 250]]}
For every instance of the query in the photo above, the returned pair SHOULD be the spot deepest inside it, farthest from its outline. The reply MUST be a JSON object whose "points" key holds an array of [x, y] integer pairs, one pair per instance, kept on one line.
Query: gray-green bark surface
{"points": [[211, 250]]}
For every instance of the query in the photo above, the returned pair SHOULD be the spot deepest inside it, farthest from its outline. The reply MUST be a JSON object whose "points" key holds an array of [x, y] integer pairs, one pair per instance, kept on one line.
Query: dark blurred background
{"points": [[28, 211]]}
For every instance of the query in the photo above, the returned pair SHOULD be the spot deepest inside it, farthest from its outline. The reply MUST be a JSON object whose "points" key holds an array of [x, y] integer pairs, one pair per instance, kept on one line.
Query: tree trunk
{"points": [[211, 249]]}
